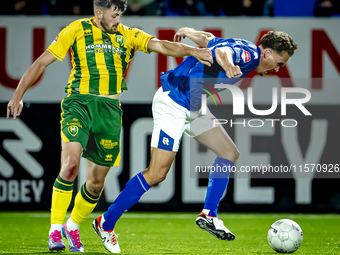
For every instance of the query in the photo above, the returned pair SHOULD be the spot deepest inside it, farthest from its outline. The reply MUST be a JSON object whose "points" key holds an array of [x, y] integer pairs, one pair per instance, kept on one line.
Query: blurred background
{"points": [[30, 146], [272, 8]]}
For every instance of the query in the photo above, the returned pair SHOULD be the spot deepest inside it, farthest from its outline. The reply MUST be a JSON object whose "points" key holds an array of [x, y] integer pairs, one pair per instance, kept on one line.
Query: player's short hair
{"points": [[121, 5], [279, 41]]}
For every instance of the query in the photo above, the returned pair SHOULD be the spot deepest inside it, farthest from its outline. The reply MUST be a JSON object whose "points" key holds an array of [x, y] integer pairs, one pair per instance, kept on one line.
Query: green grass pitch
{"points": [[173, 233]]}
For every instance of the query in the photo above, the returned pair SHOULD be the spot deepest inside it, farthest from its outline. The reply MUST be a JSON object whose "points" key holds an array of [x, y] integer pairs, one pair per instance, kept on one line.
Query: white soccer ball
{"points": [[285, 236]]}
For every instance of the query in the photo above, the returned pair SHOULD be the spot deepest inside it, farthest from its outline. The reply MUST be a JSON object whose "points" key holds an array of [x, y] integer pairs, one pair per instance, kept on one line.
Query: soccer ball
{"points": [[285, 236]]}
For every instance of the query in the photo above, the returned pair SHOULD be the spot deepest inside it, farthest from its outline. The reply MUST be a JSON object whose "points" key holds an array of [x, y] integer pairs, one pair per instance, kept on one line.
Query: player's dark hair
{"points": [[121, 5], [279, 41]]}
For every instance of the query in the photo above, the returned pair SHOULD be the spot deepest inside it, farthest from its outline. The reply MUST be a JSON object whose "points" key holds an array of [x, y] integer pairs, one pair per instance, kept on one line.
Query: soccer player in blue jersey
{"points": [[176, 110]]}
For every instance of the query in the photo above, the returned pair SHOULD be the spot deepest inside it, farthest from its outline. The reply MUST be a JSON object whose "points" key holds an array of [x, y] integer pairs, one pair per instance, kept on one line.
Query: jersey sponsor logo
{"points": [[73, 130], [245, 56], [55, 39], [102, 48]]}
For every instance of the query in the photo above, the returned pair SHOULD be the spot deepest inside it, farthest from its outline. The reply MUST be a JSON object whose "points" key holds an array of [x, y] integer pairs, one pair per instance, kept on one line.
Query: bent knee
{"points": [[231, 155], [154, 178], [95, 187], [69, 170], [236, 155], [157, 179]]}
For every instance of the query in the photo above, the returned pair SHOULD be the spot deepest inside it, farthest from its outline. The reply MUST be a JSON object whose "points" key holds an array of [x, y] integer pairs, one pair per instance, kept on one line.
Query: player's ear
{"points": [[267, 53], [99, 13]]}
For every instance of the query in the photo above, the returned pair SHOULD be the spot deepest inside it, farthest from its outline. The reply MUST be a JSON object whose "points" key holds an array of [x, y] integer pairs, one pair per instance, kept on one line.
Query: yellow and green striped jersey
{"points": [[99, 59]]}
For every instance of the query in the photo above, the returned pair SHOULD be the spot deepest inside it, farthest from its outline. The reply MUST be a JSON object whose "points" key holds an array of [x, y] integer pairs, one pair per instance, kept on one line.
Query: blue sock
{"points": [[218, 182], [130, 195]]}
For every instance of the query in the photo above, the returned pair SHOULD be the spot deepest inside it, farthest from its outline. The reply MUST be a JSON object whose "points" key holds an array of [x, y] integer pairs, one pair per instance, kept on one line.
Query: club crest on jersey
{"points": [[120, 40], [55, 39], [245, 56]]}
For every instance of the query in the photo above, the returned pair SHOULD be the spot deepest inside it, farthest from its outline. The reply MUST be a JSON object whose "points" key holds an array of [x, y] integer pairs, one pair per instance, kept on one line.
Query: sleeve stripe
{"points": [[146, 50], [55, 55]]}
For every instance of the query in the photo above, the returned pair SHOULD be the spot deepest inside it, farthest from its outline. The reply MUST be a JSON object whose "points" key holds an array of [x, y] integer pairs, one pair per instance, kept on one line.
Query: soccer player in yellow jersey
{"points": [[101, 49]]}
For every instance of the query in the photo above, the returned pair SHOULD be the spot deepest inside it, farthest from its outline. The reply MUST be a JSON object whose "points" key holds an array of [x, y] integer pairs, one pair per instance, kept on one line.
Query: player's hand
{"points": [[181, 33], [233, 71], [14, 108], [204, 55]]}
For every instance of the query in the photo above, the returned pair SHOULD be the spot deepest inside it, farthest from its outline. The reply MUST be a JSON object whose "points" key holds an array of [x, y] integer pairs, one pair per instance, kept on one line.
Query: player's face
{"points": [[271, 61], [111, 19]]}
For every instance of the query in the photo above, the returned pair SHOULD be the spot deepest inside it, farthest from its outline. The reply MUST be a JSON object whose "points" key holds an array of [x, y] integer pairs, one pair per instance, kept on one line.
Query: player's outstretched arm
{"points": [[201, 38], [15, 105], [224, 57], [175, 49]]}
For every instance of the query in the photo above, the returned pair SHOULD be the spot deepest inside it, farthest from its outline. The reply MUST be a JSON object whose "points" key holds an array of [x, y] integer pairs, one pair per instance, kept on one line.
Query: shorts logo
{"points": [[108, 144], [245, 56], [165, 141], [73, 130], [108, 157]]}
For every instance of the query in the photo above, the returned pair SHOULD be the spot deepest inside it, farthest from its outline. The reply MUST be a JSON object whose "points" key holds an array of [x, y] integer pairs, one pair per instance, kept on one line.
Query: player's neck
{"points": [[97, 24], [261, 59]]}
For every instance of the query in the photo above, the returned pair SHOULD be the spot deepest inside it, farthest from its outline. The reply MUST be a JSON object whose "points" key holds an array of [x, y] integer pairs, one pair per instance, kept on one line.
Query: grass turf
{"points": [[173, 233]]}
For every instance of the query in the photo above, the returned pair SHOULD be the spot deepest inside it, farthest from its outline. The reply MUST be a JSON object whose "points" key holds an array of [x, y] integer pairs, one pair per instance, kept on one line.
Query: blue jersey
{"points": [[185, 82]]}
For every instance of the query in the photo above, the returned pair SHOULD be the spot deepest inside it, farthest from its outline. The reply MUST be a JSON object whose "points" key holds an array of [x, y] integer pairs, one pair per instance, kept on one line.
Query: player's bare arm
{"points": [[175, 49], [201, 38], [224, 57], [15, 105]]}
